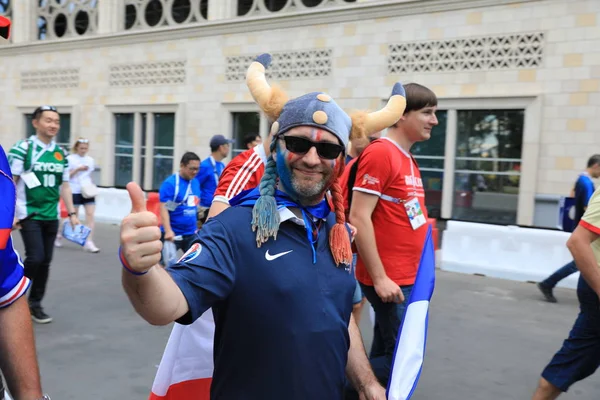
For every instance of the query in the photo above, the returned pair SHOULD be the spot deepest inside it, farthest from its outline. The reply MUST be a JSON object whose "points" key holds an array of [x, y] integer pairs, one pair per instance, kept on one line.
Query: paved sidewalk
{"points": [[488, 339]]}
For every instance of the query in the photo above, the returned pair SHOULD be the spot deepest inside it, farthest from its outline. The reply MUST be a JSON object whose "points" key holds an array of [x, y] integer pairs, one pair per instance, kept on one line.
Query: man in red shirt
{"points": [[243, 172], [388, 211]]}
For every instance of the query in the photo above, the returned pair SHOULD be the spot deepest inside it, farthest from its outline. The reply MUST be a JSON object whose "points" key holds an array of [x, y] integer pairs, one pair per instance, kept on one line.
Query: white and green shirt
{"points": [[49, 164]]}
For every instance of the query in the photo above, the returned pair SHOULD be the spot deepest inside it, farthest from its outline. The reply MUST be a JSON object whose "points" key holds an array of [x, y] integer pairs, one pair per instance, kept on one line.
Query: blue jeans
{"points": [[388, 317], [559, 275]]}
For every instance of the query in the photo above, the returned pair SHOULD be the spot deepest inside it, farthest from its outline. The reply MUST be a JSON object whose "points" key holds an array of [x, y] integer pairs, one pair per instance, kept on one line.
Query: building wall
{"points": [[560, 95]]}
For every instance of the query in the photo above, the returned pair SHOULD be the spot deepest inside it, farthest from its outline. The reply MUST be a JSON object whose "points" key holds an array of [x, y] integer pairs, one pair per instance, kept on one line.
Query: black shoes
{"points": [[39, 316], [547, 292]]}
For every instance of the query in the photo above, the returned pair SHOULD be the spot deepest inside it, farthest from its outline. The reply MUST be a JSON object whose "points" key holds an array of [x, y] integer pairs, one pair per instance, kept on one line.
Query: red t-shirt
{"points": [[385, 169], [243, 172]]}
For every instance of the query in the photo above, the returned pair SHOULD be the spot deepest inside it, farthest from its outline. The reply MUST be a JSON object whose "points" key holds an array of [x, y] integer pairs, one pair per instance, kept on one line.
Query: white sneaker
{"points": [[91, 247], [58, 242]]}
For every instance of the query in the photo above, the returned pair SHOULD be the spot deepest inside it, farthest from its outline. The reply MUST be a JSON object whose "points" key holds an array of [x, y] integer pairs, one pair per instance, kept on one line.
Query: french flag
{"points": [[186, 369], [7, 200], [412, 337]]}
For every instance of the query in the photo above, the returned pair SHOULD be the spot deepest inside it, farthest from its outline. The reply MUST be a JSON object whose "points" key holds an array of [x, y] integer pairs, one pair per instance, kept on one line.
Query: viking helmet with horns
{"points": [[320, 111]]}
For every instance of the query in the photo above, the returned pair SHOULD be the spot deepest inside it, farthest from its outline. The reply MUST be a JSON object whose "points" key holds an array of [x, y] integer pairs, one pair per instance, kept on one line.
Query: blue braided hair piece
{"points": [[265, 218]]}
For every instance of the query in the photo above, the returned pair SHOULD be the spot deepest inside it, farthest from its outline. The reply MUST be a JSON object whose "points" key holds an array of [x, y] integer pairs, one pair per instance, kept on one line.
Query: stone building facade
{"points": [[146, 80]]}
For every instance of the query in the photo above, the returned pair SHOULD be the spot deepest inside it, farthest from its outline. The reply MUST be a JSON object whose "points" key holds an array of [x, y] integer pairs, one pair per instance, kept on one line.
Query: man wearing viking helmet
{"points": [[275, 266]]}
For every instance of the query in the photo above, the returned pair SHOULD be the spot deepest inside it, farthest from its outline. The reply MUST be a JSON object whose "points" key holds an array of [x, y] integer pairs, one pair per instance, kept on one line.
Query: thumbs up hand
{"points": [[140, 235]]}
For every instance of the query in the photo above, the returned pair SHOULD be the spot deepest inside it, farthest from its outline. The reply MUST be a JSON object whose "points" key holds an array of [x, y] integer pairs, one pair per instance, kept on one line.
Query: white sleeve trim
{"points": [[14, 294], [221, 199], [369, 191]]}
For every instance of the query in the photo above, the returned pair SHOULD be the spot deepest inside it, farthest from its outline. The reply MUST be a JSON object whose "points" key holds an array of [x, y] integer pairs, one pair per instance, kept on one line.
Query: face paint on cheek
{"points": [[284, 173], [288, 155]]}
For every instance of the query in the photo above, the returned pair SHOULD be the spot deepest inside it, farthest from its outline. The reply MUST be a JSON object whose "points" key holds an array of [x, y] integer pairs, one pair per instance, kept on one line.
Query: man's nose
{"points": [[312, 158]]}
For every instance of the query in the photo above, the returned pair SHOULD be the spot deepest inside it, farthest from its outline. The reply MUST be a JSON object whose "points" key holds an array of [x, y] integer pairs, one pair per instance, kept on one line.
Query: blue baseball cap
{"points": [[219, 140]]}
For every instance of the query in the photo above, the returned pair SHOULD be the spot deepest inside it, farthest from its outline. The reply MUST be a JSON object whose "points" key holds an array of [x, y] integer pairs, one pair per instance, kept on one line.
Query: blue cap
{"points": [[218, 140]]}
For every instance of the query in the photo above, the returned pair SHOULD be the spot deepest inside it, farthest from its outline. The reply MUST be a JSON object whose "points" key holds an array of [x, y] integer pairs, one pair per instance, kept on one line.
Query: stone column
{"points": [[111, 16], [24, 21], [222, 9]]}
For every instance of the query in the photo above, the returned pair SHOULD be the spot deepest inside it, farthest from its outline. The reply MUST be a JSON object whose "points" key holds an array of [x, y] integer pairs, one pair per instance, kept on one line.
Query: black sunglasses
{"points": [[301, 146]]}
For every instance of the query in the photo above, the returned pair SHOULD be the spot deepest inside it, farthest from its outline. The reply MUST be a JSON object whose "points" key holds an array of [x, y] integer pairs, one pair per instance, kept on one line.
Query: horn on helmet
{"points": [[257, 82], [390, 114]]}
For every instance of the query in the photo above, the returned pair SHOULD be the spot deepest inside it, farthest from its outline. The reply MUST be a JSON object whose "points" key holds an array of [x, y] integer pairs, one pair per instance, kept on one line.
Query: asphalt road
{"points": [[489, 339]]}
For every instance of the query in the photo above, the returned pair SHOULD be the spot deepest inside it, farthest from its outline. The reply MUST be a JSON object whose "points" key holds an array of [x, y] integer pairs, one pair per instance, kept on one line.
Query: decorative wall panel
{"points": [[515, 51], [55, 78], [286, 65], [151, 73]]}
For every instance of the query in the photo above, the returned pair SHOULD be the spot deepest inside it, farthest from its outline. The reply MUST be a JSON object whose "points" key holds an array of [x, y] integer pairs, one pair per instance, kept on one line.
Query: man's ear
{"points": [[35, 123]]}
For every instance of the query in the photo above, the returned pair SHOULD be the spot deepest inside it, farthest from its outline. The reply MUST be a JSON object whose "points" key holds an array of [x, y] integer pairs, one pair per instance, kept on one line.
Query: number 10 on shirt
{"points": [[49, 180]]}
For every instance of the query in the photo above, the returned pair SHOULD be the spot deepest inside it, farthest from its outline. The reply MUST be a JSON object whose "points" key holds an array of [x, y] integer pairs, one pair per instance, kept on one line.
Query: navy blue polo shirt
{"points": [[183, 219], [281, 322], [208, 179]]}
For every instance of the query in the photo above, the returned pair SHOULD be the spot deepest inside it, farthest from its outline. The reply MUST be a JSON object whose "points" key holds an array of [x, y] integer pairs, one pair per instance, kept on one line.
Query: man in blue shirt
{"points": [[583, 190], [282, 309], [211, 169], [179, 199]]}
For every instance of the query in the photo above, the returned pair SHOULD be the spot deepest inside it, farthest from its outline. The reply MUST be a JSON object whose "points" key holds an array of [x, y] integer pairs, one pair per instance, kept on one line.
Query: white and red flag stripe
{"points": [[186, 369]]}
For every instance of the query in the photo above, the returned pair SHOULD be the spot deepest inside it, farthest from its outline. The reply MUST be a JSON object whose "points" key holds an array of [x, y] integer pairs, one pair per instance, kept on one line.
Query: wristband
{"points": [[72, 213], [127, 267]]}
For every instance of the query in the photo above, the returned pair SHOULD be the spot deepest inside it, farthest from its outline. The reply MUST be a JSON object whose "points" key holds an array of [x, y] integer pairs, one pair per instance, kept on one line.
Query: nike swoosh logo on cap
{"points": [[270, 257]]}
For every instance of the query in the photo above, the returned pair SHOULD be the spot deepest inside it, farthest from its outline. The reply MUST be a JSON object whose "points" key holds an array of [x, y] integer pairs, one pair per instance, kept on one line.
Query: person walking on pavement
{"points": [[583, 191], [579, 356], [210, 171], [279, 326], [40, 170], [387, 207], [81, 167], [179, 198]]}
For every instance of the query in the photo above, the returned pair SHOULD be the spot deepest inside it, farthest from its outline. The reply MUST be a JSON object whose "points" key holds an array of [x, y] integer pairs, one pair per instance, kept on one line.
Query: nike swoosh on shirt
{"points": [[270, 257]]}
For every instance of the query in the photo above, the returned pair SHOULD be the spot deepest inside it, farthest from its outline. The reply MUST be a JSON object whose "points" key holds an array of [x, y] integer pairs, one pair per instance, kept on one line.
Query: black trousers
{"points": [[38, 238]]}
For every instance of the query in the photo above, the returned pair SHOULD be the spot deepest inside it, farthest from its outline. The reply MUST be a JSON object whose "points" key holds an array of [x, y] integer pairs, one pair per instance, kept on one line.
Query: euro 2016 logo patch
{"points": [[58, 155], [369, 180], [191, 254]]}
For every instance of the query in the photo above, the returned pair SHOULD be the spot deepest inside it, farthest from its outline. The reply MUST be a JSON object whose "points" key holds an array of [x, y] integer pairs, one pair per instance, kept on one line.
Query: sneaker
{"points": [[39, 316], [58, 242], [91, 247], [547, 292]]}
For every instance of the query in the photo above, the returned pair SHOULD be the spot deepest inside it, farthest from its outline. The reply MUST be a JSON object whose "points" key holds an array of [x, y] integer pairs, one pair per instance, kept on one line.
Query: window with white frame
{"points": [[473, 164], [144, 148], [488, 165], [63, 138]]}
